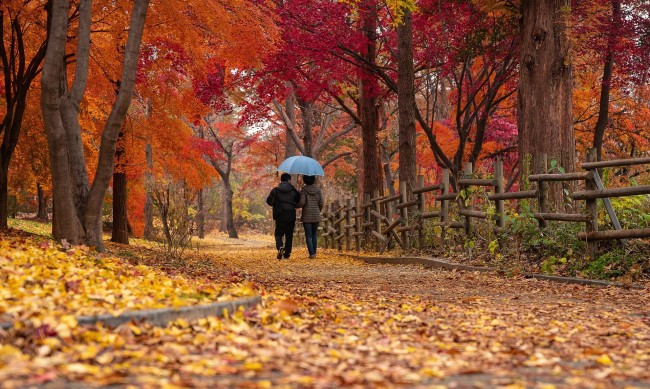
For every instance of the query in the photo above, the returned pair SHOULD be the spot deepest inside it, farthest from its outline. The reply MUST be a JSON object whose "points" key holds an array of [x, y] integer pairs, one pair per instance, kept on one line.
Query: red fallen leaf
{"points": [[72, 286], [42, 378], [44, 331]]}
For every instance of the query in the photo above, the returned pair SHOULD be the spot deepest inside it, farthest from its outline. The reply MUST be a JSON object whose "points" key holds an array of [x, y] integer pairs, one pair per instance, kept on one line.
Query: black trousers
{"points": [[284, 229]]}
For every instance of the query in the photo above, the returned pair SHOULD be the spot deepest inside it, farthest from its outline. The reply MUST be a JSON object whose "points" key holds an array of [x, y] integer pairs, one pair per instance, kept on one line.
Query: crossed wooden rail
{"points": [[380, 220]]}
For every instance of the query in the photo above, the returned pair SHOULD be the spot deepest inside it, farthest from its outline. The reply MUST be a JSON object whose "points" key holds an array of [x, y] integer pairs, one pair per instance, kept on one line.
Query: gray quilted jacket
{"points": [[311, 202]]}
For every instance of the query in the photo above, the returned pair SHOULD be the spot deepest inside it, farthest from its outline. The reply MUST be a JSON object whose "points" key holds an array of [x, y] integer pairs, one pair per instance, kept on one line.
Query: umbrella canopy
{"points": [[301, 165]]}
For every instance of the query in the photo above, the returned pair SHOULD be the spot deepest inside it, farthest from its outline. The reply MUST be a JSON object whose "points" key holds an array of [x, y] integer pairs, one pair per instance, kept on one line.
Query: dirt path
{"points": [[338, 322], [355, 324]]}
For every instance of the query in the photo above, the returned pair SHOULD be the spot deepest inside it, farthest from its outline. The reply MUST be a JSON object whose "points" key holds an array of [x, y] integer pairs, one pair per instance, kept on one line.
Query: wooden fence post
{"points": [[377, 208], [325, 234], [367, 221], [499, 204], [357, 223], [335, 227], [340, 226], [542, 190], [332, 226], [468, 220], [348, 224], [421, 212], [592, 207], [404, 214], [444, 204], [389, 217]]}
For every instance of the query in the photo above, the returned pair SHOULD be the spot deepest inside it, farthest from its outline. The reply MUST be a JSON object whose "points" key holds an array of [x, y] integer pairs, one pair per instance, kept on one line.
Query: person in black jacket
{"points": [[283, 199]]}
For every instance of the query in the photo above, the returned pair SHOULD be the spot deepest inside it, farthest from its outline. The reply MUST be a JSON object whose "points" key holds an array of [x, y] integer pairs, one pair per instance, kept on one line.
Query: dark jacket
{"points": [[283, 199], [311, 202]]}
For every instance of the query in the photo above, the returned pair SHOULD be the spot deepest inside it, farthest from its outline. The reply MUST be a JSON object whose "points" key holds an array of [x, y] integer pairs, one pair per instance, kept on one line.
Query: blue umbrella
{"points": [[301, 165]]}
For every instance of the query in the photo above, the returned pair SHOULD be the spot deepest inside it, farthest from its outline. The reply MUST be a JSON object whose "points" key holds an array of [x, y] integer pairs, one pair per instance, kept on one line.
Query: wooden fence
{"points": [[380, 220]]}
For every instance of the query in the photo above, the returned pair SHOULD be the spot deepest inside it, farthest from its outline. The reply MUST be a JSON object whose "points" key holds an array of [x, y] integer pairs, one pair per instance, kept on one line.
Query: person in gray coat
{"points": [[311, 202]]}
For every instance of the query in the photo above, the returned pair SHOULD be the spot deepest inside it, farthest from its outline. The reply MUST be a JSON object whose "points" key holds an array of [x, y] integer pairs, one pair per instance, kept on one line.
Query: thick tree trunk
{"points": [[545, 88], [291, 148], [66, 225], [308, 122], [228, 213], [603, 104], [4, 198], [120, 221], [368, 104], [200, 216], [406, 101], [41, 213], [149, 232], [104, 172], [78, 217]]}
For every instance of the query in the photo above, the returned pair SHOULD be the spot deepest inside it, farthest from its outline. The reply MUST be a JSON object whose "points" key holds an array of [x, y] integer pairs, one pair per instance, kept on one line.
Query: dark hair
{"points": [[285, 177], [309, 180]]}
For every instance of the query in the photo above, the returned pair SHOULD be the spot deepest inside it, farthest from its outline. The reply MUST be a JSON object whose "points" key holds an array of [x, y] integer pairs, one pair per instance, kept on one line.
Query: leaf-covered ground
{"points": [[333, 322]]}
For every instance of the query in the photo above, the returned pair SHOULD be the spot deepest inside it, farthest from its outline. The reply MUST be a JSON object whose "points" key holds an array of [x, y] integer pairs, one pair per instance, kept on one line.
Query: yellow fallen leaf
{"points": [[253, 366], [265, 384], [604, 360], [81, 368], [90, 352], [430, 372], [9, 352]]}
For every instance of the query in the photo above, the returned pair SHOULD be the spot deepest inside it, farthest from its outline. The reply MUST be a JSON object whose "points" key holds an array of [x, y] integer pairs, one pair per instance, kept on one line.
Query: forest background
{"points": [[378, 92]]}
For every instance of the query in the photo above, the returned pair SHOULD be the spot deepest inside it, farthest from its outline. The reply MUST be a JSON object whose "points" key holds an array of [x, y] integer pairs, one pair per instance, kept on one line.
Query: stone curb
{"points": [[160, 317], [440, 264]]}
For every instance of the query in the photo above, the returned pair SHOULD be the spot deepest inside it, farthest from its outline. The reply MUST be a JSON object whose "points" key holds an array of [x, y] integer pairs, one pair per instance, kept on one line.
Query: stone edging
{"points": [[440, 264], [160, 317]]}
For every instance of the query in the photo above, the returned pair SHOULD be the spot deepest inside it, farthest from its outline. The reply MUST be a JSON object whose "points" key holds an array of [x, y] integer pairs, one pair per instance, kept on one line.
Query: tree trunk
{"points": [[368, 105], [545, 88], [308, 122], [200, 216], [120, 220], [291, 148], [149, 232], [406, 101], [388, 175], [603, 104], [4, 198], [18, 71], [164, 202], [41, 213], [228, 213], [66, 225], [78, 218]]}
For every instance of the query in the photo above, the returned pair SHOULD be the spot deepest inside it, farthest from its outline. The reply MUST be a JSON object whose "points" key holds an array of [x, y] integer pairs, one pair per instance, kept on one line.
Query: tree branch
{"points": [[337, 156]]}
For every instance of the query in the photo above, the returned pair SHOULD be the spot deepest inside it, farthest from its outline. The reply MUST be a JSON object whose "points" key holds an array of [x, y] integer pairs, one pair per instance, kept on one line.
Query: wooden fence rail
{"points": [[371, 223]]}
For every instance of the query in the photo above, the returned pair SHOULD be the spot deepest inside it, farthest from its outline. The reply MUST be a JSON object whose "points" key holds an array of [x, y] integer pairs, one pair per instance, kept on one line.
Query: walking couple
{"points": [[284, 199]]}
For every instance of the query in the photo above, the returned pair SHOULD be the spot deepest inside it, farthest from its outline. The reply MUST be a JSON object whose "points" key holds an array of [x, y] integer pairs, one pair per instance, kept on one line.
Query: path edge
{"points": [[160, 317], [441, 264]]}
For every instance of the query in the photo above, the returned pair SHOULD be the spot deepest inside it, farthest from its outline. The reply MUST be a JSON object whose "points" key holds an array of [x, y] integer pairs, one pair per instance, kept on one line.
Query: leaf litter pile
{"points": [[326, 322]]}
